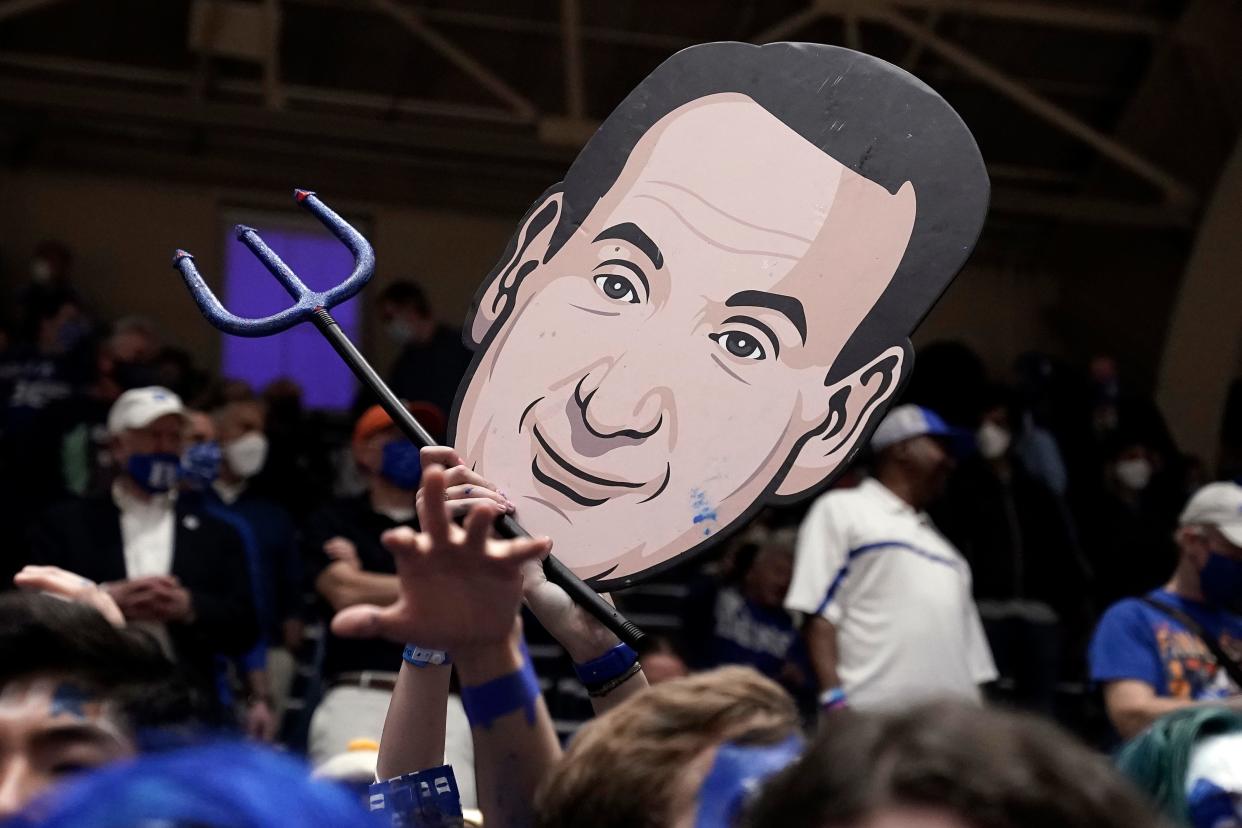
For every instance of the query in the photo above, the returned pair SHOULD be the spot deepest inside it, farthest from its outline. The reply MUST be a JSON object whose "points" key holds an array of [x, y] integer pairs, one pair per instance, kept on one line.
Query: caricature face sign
{"points": [[713, 310]]}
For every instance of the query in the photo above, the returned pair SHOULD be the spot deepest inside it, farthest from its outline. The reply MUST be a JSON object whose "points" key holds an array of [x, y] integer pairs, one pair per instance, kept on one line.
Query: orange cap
{"points": [[375, 419]]}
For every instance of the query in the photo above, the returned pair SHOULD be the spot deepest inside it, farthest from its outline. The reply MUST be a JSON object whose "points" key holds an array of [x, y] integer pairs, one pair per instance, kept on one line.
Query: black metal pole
{"points": [[506, 526]]}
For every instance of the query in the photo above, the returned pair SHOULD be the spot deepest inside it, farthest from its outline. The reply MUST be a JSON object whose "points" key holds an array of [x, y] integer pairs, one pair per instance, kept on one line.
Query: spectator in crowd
{"points": [[176, 572], [889, 618], [1190, 764], [270, 541], [1181, 645], [124, 359], [37, 382], [433, 359], [76, 692], [1030, 581], [348, 565], [1126, 522], [948, 765], [685, 752], [298, 472], [743, 620], [210, 785]]}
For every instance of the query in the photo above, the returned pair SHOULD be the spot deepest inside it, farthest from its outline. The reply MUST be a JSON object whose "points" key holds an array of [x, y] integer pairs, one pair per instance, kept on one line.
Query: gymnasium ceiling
{"points": [[1109, 111]]}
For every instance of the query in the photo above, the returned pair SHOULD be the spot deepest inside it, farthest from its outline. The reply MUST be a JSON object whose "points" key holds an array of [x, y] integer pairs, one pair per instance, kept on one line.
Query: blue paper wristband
{"points": [[499, 697], [416, 656], [611, 665]]}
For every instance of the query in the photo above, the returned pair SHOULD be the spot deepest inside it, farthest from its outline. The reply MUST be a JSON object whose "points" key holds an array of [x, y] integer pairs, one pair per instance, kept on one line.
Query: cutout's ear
{"points": [[527, 250], [855, 406]]}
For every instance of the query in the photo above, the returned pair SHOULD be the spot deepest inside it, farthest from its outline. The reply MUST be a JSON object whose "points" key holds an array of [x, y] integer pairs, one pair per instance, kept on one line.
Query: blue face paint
{"points": [[69, 699], [736, 774], [153, 471], [401, 465]]}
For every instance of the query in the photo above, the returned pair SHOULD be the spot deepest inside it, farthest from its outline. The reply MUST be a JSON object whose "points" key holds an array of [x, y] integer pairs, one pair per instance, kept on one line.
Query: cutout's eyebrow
{"points": [[778, 302], [633, 234]]}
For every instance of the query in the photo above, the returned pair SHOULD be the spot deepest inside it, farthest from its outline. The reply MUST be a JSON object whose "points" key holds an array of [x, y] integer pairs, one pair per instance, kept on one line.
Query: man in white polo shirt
{"points": [[889, 618]]}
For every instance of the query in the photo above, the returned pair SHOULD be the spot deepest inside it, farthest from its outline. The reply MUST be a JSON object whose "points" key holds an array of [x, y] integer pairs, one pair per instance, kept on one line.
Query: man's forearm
{"points": [[413, 737], [346, 586]]}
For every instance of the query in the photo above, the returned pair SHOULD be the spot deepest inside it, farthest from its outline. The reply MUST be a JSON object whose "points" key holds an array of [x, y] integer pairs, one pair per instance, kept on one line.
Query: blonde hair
{"points": [[621, 768]]}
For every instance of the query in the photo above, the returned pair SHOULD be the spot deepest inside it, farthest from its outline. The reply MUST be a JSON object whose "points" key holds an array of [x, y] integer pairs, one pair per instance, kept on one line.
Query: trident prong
{"points": [[306, 301], [311, 305]]}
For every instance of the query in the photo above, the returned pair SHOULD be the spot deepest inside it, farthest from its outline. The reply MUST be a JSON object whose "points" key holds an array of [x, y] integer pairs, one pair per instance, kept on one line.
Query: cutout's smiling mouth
{"points": [[562, 476]]}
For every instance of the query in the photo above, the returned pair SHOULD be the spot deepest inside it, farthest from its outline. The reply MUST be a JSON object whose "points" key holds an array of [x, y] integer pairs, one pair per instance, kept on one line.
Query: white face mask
{"points": [[247, 454], [1134, 474], [993, 440]]}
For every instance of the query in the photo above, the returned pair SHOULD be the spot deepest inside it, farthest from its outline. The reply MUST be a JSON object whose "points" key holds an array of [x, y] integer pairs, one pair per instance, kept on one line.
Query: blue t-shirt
{"points": [[1137, 641]]}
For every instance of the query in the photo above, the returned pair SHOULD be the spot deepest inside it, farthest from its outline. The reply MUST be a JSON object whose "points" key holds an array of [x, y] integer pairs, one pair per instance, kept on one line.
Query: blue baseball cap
{"points": [[906, 422]]}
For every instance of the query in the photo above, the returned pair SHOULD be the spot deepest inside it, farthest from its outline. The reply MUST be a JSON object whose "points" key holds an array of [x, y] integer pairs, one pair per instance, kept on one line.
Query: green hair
{"points": [[1158, 759]]}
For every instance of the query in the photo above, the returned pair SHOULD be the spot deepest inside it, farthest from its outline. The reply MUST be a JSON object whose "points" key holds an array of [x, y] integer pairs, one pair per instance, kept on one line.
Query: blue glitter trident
{"points": [[312, 306], [308, 301]]}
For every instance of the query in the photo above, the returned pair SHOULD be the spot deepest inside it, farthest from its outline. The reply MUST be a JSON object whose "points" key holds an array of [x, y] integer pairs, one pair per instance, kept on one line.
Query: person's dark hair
{"points": [[870, 116], [44, 635], [406, 294], [989, 768]]}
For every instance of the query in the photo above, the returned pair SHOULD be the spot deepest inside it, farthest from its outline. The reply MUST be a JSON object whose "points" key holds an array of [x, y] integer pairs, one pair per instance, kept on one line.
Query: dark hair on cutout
{"points": [[870, 116], [44, 635], [989, 768], [406, 294]]}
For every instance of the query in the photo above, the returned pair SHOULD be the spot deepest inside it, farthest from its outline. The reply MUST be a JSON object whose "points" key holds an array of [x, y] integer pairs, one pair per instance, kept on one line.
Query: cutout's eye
{"points": [[617, 288], [739, 344]]}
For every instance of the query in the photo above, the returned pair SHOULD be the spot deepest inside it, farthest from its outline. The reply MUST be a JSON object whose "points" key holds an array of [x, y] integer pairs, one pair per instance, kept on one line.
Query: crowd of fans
{"points": [[225, 565]]}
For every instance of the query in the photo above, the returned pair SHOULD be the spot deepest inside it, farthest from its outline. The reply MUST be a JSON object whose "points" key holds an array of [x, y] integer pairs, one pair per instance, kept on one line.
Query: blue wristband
{"points": [[499, 697], [611, 665], [833, 699], [416, 656]]}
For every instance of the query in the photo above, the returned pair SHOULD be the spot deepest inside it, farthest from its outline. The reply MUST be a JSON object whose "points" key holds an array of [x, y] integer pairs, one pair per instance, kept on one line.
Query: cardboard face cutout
{"points": [[712, 311]]}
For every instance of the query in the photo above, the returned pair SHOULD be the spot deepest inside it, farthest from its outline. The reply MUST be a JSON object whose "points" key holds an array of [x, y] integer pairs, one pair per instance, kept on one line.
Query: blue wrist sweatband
{"points": [[499, 697], [607, 667], [416, 656]]}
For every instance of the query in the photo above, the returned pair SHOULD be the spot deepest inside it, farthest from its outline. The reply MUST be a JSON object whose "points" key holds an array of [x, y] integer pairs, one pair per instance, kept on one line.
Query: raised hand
{"points": [[459, 587], [576, 629], [65, 584]]}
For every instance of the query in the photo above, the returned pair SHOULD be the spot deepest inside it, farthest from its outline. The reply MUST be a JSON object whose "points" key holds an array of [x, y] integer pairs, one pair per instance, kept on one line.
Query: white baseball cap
{"points": [[1219, 505], [906, 422], [139, 407]]}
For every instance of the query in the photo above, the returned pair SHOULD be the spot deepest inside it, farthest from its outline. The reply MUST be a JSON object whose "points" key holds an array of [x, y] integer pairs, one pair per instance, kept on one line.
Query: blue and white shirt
{"points": [[898, 594]]}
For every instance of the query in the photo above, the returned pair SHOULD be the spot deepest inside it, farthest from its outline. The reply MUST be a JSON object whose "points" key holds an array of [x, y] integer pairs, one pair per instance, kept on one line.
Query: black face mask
{"points": [[129, 374]]}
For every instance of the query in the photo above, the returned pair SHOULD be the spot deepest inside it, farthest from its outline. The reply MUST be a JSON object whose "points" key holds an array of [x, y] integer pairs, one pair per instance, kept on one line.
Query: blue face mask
{"points": [[154, 471], [736, 775], [401, 465], [1221, 580], [201, 464]]}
